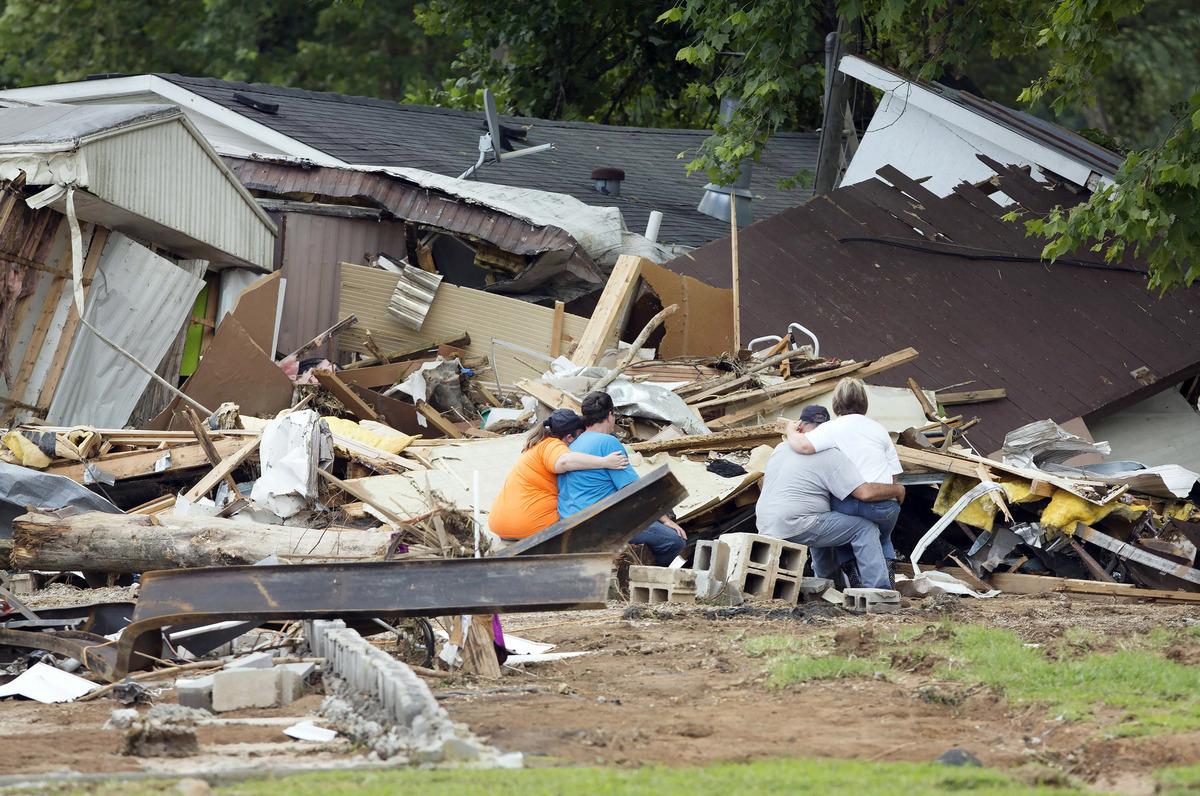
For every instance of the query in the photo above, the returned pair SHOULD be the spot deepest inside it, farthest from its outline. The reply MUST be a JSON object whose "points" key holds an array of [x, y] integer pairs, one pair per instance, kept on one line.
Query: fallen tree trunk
{"points": [[133, 543]]}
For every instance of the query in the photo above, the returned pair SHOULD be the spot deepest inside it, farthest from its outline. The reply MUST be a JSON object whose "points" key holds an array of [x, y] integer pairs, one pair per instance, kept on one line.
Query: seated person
{"points": [[581, 488], [528, 501], [795, 506], [869, 446]]}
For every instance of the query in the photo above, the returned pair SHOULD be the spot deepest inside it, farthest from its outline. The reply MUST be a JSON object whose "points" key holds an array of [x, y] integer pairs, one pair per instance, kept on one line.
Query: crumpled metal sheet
{"points": [[1046, 442], [643, 399]]}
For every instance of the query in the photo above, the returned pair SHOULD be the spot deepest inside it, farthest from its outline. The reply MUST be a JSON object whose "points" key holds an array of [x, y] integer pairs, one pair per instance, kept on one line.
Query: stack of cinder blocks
{"points": [[741, 565], [758, 567]]}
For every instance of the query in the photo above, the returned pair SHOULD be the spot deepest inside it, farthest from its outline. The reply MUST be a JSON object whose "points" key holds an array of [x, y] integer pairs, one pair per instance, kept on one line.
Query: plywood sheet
{"points": [[255, 310], [365, 292], [703, 325]]}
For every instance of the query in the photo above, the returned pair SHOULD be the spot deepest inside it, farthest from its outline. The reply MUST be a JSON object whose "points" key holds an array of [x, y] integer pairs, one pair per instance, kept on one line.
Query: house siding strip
{"points": [[197, 199]]}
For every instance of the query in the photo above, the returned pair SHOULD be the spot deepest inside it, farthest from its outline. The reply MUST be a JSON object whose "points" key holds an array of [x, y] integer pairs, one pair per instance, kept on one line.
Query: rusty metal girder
{"points": [[609, 524], [416, 587]]}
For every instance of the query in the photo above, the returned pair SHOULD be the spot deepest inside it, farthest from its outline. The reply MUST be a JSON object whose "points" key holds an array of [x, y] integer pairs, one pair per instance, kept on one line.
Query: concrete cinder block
{"points": [[660, 584], [22, 583], [289, 686], [305, 671], [875, 601], [244, 688], [255, 660], [195, 692], [785, 588], [811, 589], [712, 557]]}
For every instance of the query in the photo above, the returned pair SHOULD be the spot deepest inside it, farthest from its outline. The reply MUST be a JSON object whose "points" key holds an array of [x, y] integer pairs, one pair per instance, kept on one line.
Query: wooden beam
{"points": [[63, 347], [970, 397], [997, 497], [602, 328], [439, 422], [556, 329], [355, 405], [378, 375], [134, 464], [550, 395], [325, 336], [1138, 554], [929, 409], [730, 382], [461, 340], [811, 386], [214, 458], [222, 471], [747, 437]]}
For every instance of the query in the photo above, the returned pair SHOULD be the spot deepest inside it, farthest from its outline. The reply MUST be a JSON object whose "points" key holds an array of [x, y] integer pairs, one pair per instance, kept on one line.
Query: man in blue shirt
{"points": [[582, 488]]}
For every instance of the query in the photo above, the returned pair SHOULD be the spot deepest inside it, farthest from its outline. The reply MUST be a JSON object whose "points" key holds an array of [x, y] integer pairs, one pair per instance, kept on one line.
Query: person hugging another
{"points": [[869, 447], [528, 501], [582, 488]]}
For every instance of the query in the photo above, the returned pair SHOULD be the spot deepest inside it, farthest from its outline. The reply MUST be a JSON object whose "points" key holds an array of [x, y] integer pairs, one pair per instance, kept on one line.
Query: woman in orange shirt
{"points": [[528, 501]]}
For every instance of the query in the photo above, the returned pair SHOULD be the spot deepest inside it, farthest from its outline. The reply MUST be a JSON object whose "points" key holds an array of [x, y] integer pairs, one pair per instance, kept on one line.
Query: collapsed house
{"points": [[428, 322]]}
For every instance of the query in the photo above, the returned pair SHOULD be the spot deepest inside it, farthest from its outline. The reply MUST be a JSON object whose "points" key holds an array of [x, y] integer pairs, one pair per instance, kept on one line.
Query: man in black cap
{"points": [[794, 505]]}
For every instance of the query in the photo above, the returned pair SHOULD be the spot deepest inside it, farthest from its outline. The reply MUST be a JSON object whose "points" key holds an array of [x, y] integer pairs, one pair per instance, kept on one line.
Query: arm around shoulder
{"points": [[874, 493]]}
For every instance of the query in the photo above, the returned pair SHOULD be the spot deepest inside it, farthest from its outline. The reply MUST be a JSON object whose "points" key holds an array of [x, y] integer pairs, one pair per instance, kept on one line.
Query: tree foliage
{"points": [[366, 47], [607, 61]]}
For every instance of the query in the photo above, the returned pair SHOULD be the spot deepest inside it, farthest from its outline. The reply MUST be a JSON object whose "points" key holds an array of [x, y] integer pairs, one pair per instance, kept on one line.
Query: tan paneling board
{"points": [[365, 293]]}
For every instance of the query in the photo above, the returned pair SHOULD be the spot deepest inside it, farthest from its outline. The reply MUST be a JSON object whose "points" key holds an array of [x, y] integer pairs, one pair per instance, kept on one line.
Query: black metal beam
{"points": [[609, 524]]}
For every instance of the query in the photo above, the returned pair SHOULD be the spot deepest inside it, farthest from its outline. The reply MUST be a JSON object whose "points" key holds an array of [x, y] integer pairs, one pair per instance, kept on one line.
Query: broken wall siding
{"points": [[201, 199], [365, 292], [139, 300], [313, 246], [703, 325]]}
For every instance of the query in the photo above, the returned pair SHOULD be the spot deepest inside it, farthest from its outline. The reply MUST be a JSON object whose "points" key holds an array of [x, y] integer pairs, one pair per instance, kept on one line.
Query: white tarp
{"points": [[47, 684], [140, 301]]}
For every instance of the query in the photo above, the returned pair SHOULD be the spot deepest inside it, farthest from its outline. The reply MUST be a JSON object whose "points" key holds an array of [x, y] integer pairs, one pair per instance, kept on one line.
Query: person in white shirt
{"points": [[867, 444]]}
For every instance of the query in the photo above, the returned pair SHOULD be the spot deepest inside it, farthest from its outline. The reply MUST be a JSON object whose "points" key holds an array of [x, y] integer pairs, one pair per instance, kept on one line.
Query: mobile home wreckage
{"points": [[326, 467]]}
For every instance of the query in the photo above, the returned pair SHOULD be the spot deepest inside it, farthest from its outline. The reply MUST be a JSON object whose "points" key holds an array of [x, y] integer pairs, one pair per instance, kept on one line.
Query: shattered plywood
{"points": [[704, 324], [366, 292]]}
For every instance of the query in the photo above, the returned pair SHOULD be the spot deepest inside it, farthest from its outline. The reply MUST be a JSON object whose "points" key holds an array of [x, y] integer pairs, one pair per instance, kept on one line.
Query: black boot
{"points": [[850, 575]]}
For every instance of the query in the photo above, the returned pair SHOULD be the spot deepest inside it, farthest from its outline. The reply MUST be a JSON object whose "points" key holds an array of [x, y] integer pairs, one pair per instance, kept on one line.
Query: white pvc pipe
{"points": [[652, 226]]}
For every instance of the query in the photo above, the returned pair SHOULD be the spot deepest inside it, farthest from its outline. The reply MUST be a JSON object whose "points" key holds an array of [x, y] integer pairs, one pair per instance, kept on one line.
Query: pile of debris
{"points": [[317, 500]]}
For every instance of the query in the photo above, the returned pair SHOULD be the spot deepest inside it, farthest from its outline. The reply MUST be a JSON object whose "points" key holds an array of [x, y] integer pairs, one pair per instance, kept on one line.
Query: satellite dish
{"points": [[493, 123], [489, 142]]}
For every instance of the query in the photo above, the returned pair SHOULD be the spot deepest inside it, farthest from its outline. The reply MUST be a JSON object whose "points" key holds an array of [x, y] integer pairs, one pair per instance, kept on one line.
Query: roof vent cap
{"points": [[256, 104], [608, 180]]}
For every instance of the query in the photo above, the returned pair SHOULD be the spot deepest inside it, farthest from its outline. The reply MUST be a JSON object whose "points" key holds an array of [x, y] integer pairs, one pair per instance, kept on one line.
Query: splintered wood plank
{"points": [[354, 404], [206, 443], [602, 329], [222, 471], [970, 397], [550, 395], [929, 409], [134, 464], [557, 329], [438, 420], [811, 386]]}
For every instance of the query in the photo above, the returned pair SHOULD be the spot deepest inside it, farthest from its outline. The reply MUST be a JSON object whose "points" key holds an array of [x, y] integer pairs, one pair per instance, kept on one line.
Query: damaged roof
{"points": [[365, 131], [874, 267]]}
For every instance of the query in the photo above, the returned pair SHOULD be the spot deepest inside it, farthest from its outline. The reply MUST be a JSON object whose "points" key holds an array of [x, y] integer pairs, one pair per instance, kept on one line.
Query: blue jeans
{"points": [[883, 513], [663, 541], [831, 531]]}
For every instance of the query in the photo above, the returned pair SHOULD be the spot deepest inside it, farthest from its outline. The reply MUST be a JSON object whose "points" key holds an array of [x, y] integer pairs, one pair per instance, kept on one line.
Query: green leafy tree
{"points": [[607, 61], [366, 47]]}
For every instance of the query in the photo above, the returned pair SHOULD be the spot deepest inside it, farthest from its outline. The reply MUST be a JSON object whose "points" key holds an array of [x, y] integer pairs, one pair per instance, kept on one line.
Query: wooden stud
{"points": [[222, 471], [210, 450], [439, 422], [814, 385], [353, 403], [970, 397], [603, 328], [557, 329], [550, 395], [929, 409], [997, 497], [134, 464]]}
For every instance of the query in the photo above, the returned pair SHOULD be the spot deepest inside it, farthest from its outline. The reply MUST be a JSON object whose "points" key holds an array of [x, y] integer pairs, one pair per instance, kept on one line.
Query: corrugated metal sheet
{"points": [[140, 301], [311, 248], [164, 174], [415, 290], [1061, 339], [429, 208], [365, 292]]}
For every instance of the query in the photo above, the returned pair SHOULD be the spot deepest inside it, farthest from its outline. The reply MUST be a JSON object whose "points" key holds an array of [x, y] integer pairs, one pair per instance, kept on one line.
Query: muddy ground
{"points": [[674, 685]]}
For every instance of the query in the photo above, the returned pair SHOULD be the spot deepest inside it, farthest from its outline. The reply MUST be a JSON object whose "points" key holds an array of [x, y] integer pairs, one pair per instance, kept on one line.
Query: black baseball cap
{"points": [[564, 421], [814, 414]]}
